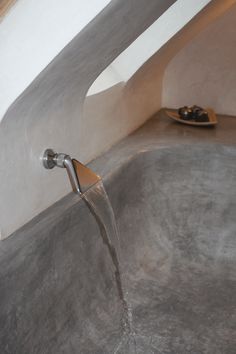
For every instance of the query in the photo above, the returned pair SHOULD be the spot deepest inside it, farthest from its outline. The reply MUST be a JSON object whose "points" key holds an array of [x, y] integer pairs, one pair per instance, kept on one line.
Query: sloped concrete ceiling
{"points": [[204, 71], [50, 109]]}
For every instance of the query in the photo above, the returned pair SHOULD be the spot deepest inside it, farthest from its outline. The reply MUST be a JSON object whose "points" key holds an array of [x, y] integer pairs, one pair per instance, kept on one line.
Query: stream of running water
{"points": [[99, 204]]}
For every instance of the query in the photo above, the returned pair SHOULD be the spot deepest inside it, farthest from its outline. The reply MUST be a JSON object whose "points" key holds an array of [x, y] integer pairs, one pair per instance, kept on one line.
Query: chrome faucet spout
{"points": [[74, 179], [81, 177]]}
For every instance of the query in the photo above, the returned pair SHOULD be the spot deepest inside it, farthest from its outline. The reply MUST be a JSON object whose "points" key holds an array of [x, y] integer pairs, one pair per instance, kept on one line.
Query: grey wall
{"points": [[204, 71], [49, 112]]}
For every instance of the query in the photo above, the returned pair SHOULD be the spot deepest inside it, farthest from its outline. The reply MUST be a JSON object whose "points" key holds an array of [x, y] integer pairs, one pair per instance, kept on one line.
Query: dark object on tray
{"points": [[194, 115]]}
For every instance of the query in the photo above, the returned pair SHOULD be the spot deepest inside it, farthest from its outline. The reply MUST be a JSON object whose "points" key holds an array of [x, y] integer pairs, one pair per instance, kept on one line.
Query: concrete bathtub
{"points": [[173, 191]]}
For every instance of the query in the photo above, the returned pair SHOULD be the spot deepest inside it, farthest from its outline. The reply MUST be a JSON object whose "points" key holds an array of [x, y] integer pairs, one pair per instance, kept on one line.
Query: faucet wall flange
{"points": [[48, 159], [52, 159]]}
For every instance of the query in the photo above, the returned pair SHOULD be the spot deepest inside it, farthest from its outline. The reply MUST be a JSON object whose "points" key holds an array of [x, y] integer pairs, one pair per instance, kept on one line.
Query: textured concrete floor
{"points": [[173, 190]]}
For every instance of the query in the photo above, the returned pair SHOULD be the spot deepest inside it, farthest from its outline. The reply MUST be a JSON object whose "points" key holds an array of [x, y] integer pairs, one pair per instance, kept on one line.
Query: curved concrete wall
{"points": [[148, 43], [204, 71], [49, 112], [32, 34]]}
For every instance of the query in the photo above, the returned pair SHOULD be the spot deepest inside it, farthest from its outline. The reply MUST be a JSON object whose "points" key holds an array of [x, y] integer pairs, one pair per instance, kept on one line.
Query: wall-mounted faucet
{"points": [[81, 177]]}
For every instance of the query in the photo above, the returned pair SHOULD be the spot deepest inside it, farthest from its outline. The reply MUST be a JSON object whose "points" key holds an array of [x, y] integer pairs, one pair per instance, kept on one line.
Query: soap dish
{"points": [[211, 115]]}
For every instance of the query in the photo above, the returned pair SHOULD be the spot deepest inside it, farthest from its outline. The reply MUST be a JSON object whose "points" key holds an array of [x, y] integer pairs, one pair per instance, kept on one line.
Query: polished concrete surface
{"points": [[173, 190], [177, 225]]}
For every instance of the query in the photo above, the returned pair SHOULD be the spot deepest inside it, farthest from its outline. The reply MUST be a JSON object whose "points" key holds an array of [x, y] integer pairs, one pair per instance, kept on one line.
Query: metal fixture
{"points": [[81, 177]]}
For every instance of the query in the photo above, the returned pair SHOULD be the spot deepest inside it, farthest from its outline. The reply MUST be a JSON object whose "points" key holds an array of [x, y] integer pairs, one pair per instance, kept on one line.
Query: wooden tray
{"points": [[211, 114]]}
